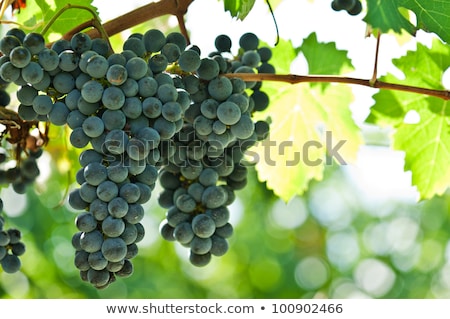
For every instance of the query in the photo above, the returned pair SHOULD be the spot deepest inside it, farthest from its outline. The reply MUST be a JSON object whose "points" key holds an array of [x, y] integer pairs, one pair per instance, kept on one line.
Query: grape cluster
{"points": [[204, 162], [23, 173], [155, 111], [353, 7], [11, 247], [119, 107]]}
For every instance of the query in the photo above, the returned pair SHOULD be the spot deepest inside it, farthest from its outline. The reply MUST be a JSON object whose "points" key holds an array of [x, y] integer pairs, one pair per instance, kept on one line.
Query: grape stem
{"points": [[95, 22], [375, 65], [377, 84], [140, 15]]}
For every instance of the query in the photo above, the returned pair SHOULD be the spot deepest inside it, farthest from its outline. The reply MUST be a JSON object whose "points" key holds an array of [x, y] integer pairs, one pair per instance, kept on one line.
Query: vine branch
{"points": [[377, 84], [140, 15], [179, 8]]}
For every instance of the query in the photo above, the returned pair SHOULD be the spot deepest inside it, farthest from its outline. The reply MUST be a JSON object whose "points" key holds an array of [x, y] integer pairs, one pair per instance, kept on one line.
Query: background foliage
{"points": [[331, 239]]}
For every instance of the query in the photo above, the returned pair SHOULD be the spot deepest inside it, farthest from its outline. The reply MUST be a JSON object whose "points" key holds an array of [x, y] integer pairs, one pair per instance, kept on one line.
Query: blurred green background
{"points": [[337, 241]]}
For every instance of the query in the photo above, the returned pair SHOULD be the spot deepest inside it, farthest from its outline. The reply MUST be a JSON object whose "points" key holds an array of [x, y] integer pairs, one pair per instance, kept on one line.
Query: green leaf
{"points": [[40, 12], [432, 16], [385, 15], [423, 67], [427, 148], [282, 56], [425, 141], [324, 58], [305, 123], [238, 8]]}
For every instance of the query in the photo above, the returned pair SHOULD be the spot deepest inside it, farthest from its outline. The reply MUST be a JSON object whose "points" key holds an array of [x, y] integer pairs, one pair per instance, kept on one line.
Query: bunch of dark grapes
{"points": [[353, 7], [119, 107], [11, 247], [155, 110], [205, 161]]}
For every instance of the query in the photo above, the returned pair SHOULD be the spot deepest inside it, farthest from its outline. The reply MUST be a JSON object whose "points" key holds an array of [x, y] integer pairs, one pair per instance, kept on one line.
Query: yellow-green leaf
{"points": [[306, 123]]}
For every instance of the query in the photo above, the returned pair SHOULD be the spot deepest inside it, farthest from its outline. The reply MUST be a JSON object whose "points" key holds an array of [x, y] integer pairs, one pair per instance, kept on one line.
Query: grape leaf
{"points": [[282, 56], [306, 123], [432, 16], [386, 16], [40, 12], [426, 142], [238, 8], [317, 52], [427, 148]]}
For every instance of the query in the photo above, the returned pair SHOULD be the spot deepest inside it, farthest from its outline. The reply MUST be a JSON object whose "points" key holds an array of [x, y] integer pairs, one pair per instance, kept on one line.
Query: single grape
{"points": [[249, 41], [92, 91], [136, 68], [42, 104], [112, 226], [32, 73], [199, 260], [214, 197], [114, 119], [97, 66], [228, 113], [9, 73], [68, 60], [154, 40], [183, 233], [356, 9], [223, 43], [220, 88], [91, 241], [135, 213], [8, 43], [63, 82], [158, 63], [166, 231], [20, 57], [171, 51], [167, 93], [80, 42], [97, 261], [189, 61], [220, 215], [186, 203], [152, 107], [219, 245], [34, 42], [203, 226], [178, 39], [11, 264], [135, 45], [95, 173], [208, 69], [200, 245], [118, 207], [113, 98], [107, 191], [147, 86]]}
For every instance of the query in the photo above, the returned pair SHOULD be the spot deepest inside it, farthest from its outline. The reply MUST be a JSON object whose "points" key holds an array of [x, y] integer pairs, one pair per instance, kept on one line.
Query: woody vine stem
{"points": [[179, 8]]}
